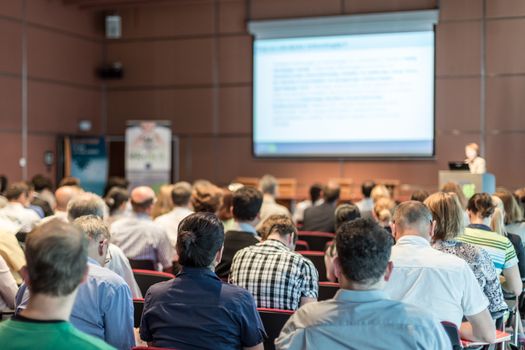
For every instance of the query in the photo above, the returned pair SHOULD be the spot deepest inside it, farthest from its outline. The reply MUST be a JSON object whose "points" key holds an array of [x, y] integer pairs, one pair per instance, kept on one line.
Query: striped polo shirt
{"points": [[499, 247]]}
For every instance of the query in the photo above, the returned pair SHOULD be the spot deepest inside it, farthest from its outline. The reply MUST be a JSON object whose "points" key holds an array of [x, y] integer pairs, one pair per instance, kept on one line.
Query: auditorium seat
{"points": [[316, 240], [273, 321], [453, 334], [301, 245], [138, 307], [318, 259], [142, 264], [147, 278], [327, 290]]}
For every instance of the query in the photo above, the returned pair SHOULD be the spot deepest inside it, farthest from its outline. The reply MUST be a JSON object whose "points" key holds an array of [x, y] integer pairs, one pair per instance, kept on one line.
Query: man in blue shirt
{"points": [[197, 310], [361, 316]]}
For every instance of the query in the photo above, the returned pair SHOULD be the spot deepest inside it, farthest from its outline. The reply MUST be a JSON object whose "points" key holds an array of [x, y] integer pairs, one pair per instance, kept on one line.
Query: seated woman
{"points": [[446, 211], [383, 212], [513, 213]]}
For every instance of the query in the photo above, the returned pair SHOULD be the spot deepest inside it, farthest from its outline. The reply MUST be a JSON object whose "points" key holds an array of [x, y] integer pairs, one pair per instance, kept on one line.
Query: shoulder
{"points": [[236, 295], [85, 341], [106, 277], [159, 289]]}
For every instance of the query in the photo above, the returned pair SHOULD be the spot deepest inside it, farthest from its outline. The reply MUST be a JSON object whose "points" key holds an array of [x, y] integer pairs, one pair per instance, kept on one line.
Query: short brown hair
{"points": [[56, 254], [281, 224], [446, 211], [206, 197], [15, 190], [412, 214], [482, 204], [181, 193]]}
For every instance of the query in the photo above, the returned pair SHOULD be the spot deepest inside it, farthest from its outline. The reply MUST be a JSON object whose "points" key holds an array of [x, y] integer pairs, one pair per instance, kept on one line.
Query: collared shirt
{"points": [[197, 310], [170, 222], [19, 215], [499, 247], [277, 277], [140, 238], [366, 206], [362, 320], [438, 282]]}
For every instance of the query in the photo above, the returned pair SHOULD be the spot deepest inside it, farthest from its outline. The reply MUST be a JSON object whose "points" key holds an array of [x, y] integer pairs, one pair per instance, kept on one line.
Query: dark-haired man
{"points": [[321, 217], [246, 204], [366, 205], [361, 316], [277, 277], [315, 199], [197, 310], [56, 254], [138, 236], [17, 209]]}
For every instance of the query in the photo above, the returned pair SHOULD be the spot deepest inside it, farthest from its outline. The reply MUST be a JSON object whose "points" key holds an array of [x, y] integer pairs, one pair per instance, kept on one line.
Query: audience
{"points": [[70, 181], [163, 203], [366, 205], [419, 196], [12, 253], [206, 197], [321, 217], [441, 283], [479, 233], [56, 254], [138, 236], [315, 192], [63, 196], [8, 287], [116, 200], [197, 310], [270, 188], [226, 210], [383, 212], [43, 194], [277, 277], [513, 214], [246, 203], [380, 191], [115, 182], [361, 315], [17, 209], [448, 216]]}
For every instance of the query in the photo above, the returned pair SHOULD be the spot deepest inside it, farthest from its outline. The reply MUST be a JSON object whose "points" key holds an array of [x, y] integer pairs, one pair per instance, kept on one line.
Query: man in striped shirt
{"points": [[277, 277]]}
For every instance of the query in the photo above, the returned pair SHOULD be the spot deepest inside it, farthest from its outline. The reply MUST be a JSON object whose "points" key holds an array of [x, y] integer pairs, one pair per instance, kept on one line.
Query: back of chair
{"points": [[327, 290], [146, 278], [142, 264], [318, 259], [301, 245], [453, 334], [316, 240], [273, 321], [138, 307]]}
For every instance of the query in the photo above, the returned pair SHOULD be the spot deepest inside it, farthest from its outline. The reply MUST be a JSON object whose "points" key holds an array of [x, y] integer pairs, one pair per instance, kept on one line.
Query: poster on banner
{"points": [[88, 162], [148, 153]]}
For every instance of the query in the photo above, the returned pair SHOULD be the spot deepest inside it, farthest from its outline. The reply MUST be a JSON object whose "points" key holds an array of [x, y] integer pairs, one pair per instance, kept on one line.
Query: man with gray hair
{"points": [[440, 283], [270, 189]]}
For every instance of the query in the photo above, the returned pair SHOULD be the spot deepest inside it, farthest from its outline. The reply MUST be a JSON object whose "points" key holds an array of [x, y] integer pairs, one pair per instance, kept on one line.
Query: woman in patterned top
{"points": [[446, 211]]}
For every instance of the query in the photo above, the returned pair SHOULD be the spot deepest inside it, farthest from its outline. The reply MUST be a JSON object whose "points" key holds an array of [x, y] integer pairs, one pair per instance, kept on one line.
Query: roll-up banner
{"points": [[148, 153], [86, 158]]}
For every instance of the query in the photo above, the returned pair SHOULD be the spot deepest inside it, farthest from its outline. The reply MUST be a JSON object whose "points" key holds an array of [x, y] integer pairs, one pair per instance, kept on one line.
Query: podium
{"points": [[469, 183]]}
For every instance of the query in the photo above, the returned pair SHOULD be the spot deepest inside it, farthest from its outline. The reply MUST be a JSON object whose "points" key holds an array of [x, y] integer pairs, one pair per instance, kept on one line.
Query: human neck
{"points": [[412, 233], [278, 237], [45, 307], [350, 285], [480, 221]]}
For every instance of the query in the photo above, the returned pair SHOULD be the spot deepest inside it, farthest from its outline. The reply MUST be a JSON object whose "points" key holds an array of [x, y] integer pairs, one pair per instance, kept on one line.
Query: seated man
{"points": [[17, 209], [361, 315], [270, 189], [293, 280], [321, 217], [197, 310], [441, 283], [56, 255]]}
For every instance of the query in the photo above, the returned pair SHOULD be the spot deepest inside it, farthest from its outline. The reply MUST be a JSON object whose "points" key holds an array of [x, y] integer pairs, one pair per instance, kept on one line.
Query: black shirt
{"points": [[233, 242]]}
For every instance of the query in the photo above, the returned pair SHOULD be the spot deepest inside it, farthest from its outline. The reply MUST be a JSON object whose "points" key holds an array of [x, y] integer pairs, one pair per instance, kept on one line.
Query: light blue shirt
{"points": [[362, 320]]}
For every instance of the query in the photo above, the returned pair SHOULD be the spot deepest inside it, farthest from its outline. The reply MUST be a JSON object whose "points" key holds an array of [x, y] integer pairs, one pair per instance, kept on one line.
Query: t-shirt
{"points": [[23, 334], [233, 242]]}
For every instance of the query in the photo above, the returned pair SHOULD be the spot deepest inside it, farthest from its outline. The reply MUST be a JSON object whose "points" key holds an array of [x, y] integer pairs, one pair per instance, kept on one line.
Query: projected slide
{"points": [[369, 95]]}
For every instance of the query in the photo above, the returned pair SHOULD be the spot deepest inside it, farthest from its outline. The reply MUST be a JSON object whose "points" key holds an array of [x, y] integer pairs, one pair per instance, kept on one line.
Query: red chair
{"points": [[327, 290], [138, 308], [301, 246], [147, 278], [142, 264], [316, 240], [273, 321], [318, 259]]}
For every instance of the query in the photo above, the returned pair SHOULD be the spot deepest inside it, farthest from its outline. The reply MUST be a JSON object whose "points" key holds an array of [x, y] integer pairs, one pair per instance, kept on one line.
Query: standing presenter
{"points": [[475, 163]]}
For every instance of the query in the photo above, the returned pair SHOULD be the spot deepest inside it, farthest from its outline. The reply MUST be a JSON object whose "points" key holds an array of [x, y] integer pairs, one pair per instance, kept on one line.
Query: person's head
{"points": [[346, 213], [315, 192], [269, 185], [412, 218], [116, 181], [419, 195], [366, 188], [379, 191], [471, 150], [164, 202], [200, 240], [480, 207], [448, 215], [246, 202], [18, 192], [513, 211], [225, 211], [384, 210], [56, 255], [69, 181], [41, 183], [116, 200], [63, 195], [454, 187], [206, 197], [331, 192], [520, 197], [86, 203], [363, 254], [497, 222], [142, 199], [282, 228], [3, 183], [97, 233], [181, 194]]}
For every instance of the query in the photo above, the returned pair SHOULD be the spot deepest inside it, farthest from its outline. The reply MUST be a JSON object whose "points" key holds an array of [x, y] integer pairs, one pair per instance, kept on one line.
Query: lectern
{"points": [[469, 183]]}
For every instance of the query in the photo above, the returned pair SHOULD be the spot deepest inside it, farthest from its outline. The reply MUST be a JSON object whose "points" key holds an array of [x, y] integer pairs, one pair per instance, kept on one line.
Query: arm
{"points": [[8, 287], [118, 316], [306, 300], [479, 328], [513, 280]]}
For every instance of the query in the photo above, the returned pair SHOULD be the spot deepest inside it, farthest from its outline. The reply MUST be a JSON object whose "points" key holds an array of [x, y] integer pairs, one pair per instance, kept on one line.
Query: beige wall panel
{"points": [[235, 59], [505, 49], [505, 159], [235, 113], [11, 8], [157, 63], [352, 6], [232, 16], [458, 104], [458, 48], [460, 9], [265, 9], [505, 103], [10, 103], [10, 46], [189, 110], [505, 8]]}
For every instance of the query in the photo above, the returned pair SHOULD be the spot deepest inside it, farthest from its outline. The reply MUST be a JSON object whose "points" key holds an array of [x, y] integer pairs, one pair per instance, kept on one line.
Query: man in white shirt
{"points": [[366, 205], [441, 283], [316, 198], [180, 196], [16, 210]]}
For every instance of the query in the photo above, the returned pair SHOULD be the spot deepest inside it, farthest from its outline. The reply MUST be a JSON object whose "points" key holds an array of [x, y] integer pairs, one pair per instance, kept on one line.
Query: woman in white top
{"points": [[475, 163]]}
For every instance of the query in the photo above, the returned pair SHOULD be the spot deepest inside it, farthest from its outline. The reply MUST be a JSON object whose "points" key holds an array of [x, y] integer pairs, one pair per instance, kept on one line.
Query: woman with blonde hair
{"points": [[384, 211], [379, 191], [164, 203], [475, 163], [448, 215], [513, 213]]}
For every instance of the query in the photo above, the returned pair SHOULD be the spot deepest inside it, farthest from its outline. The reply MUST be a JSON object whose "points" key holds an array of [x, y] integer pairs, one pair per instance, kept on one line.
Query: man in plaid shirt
{"points": [[277, 277]]}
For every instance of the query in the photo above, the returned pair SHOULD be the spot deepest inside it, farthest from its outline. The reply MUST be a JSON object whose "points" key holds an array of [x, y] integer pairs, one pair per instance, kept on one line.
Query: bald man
{"points": [[62, 196], [138, 236]]}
